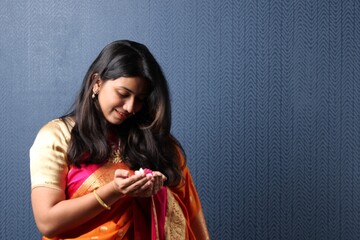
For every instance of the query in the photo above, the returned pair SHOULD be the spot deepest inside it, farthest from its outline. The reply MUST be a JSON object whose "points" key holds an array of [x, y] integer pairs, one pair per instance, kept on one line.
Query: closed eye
{"points": [[123, 95]]}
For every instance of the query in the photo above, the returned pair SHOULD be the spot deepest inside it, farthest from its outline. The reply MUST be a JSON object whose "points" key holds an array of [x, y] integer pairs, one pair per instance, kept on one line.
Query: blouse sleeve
{"points": [[48, 163]]}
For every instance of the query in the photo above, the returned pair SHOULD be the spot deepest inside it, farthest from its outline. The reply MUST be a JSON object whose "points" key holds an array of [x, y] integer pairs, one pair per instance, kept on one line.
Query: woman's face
{"points": [[119, 99]]}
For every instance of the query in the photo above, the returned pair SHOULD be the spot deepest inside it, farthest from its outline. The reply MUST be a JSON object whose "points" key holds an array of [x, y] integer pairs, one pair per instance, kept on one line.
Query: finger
{"points": [[160, 180], [139, 184], [163, 177], [127, 185], [121, 173], [143, 191], [158, 183]]}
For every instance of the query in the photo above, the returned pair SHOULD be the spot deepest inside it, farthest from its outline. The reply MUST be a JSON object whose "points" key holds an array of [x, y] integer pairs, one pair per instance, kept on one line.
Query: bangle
{"points": [[98, 198]]}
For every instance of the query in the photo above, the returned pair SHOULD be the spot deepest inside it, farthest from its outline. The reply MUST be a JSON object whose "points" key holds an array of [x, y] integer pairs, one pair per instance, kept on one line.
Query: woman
{"points": [[110, 169]]}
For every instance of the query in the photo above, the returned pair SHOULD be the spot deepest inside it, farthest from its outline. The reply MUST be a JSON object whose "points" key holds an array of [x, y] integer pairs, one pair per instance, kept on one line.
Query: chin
{"points": [[115, 121]]}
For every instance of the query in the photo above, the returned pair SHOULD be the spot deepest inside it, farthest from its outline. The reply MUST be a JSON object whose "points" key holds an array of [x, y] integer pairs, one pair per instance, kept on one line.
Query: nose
{"points": [[129, 105]]}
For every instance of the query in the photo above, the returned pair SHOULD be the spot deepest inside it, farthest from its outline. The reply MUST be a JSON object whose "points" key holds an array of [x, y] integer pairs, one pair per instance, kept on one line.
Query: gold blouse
{"points": [[48, 163]]}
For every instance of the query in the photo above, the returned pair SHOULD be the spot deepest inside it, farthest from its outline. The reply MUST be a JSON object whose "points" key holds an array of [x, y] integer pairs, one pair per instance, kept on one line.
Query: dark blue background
{"points": [[265, 99]]}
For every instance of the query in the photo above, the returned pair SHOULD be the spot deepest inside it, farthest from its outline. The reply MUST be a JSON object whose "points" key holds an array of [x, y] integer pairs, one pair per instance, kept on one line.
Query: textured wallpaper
{"points": [[265, 94]]}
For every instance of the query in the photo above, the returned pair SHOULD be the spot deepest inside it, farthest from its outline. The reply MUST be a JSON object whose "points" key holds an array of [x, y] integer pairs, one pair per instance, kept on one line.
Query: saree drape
{"points": [[162, 216], [173, 213]]}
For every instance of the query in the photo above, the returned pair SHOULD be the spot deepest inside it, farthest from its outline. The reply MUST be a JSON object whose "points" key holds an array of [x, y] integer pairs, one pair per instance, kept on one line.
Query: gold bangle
{"points": [[98, 198]]}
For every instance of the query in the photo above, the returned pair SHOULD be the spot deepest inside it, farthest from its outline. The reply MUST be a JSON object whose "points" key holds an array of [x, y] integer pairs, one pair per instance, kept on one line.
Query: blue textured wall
{"points": [[266, 98]]}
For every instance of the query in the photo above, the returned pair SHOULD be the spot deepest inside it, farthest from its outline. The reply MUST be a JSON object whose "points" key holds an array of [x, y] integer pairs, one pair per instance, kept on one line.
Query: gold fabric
{"points": [[48, 161]]}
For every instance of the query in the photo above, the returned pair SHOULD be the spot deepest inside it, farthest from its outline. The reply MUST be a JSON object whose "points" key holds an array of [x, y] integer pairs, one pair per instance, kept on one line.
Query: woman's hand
{"points": [[159, 180], [138, 185]]}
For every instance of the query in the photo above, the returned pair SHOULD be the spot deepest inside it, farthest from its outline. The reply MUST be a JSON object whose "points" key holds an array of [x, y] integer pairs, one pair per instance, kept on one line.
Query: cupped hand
{"points": [[138, 185], [159, 180]]}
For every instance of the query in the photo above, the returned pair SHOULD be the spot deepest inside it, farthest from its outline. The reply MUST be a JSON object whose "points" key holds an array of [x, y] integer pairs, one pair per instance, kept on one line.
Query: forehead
{"points": [[136, 85]]}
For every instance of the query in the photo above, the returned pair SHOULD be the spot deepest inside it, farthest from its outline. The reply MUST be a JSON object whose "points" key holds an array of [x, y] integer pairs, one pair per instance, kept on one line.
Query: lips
{"points": [[121, 115]]}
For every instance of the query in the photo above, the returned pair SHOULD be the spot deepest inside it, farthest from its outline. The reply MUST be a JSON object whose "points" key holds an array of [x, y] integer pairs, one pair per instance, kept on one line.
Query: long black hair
{"points": [[145, 138]]}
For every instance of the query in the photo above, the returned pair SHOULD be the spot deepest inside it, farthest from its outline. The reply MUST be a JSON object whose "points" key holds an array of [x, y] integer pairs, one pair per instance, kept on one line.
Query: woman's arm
{"points": [[54, 214]]}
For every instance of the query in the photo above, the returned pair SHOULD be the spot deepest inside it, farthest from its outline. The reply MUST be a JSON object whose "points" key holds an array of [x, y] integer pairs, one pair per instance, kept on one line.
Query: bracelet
{"points": [[98, 198]]}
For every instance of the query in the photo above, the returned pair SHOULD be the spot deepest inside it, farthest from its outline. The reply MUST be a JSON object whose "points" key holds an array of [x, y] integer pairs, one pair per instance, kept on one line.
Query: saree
{"points": [[171, 213]]}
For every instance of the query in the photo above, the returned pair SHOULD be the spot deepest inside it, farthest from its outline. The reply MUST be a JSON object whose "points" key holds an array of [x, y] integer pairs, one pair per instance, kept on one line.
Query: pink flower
{"points": [[145, 170]]}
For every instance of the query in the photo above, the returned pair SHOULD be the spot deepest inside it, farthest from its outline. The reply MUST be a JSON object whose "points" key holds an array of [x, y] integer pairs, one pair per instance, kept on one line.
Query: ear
{"points": [[97, 82]]}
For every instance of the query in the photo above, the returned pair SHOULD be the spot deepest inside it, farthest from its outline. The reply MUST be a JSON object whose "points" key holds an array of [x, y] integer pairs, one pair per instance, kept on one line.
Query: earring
{"points": [[94, 94]]}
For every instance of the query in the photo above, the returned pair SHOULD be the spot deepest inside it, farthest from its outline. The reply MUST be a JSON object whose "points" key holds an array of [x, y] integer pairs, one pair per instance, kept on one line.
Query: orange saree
{"points": [[173, 213]]}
